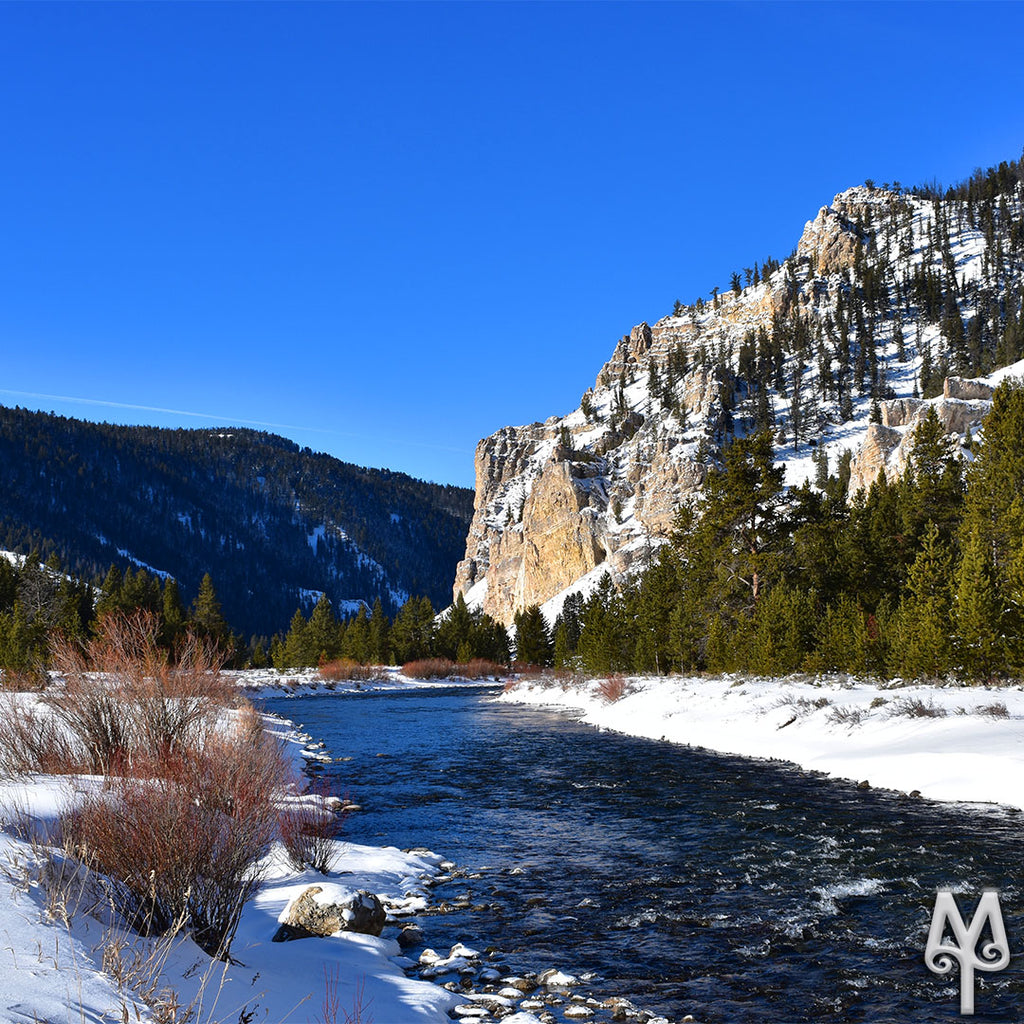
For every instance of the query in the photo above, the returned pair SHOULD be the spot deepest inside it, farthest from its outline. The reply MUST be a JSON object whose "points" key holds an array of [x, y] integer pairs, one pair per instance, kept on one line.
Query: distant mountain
{"points": [[889, 292], [274, 525]]}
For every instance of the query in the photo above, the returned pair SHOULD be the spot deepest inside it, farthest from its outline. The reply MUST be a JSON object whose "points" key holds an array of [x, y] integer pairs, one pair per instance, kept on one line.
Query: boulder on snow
{"points": [[322, 910]]}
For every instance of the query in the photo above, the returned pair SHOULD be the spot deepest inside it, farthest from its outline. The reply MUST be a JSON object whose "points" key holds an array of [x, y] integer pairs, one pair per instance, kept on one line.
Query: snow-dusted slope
{"points": [[850, 328]]}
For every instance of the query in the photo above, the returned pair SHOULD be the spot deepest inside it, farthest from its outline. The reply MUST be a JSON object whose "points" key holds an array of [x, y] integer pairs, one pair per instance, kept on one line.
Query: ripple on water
{"points": [[685, 881]]}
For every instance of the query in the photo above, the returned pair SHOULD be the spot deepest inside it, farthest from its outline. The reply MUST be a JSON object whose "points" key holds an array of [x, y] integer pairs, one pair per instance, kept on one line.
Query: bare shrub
{"points": [[613, 688], [429, 668], [22, 680], [32, 741], [803, 705], [565, 677], [914, 707], [122, 696], [347, 670], [89, 707], [480, 668], [526, 668], [309, 829], [185, 846], [997, 709], [845, 715], [333, 1012]]}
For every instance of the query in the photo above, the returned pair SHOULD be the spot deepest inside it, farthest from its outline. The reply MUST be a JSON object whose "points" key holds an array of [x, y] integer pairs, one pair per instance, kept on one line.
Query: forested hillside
{"points": [[920, 578], [274, 525]]}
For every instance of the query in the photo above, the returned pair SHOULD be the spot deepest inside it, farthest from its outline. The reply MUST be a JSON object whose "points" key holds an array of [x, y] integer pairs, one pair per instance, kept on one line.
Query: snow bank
{"points": [[300, 682], [63, 960], [948, 743]]}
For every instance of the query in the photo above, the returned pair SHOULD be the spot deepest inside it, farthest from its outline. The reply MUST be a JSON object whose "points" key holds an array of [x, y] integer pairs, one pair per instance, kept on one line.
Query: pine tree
{"points": [[321, 634], [403, 632], [22, 642], [109, 599], [840, 638], [172, 618], [733, 544], [977, 612], [602, 643], [380, 646], [932, 487], [782, 625], [294, 652], [561, 653], [533, 642], [206, 616], [356, 643], [454, 629], [924, 617]]}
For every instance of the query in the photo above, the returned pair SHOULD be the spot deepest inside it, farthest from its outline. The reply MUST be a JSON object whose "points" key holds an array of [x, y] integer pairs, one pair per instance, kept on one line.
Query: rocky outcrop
{"points": [[957, 387], [900, 411], [831, 242], [323, 910], [631, 350], [888, 445], [873, 456], [549, 512], [557, 541]]}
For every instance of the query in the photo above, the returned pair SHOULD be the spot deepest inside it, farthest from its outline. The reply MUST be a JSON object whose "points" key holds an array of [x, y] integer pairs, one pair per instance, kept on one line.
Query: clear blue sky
{"points": [[387, 230]]}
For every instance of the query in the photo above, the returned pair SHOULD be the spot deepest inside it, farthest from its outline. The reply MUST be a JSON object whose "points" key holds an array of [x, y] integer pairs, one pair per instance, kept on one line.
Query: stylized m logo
{"points": [[940, 956]]}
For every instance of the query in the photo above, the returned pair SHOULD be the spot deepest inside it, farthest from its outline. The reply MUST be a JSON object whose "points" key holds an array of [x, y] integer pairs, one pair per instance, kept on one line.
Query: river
{"points": [[689, 882]]}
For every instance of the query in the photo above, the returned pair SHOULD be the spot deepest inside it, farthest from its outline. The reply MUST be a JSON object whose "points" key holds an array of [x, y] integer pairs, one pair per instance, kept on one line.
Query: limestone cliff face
{"points": [[831, 241], [556, 500], [888, 445], [600, 486]]}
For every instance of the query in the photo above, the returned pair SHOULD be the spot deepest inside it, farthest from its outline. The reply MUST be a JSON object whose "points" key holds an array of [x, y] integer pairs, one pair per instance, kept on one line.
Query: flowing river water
{"points": [[687, 881]]}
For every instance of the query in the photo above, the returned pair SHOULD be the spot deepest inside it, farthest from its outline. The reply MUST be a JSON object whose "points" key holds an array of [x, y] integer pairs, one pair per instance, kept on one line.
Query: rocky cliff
{"points": [[850, 329]]}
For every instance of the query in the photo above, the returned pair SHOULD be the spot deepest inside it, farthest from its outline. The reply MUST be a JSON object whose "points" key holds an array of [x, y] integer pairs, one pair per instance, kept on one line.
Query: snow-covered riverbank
{"points": [[59, 962], [959, 743]]}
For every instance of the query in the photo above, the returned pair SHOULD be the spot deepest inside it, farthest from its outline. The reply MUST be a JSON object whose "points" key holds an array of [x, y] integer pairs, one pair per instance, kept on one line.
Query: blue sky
{"points": [[387, 230]]}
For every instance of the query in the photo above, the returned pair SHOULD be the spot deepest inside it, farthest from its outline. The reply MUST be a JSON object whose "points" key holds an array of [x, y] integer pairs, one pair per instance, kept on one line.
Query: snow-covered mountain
{"points": [[834, 349]]}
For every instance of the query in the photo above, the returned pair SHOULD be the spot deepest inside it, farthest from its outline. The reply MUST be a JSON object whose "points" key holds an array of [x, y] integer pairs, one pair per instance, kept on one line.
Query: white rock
{"points": [[556, 979]]}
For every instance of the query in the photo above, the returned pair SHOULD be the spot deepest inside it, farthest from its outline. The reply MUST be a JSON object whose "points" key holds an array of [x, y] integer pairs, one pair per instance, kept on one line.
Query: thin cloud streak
{"points": [[227, 420]]}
